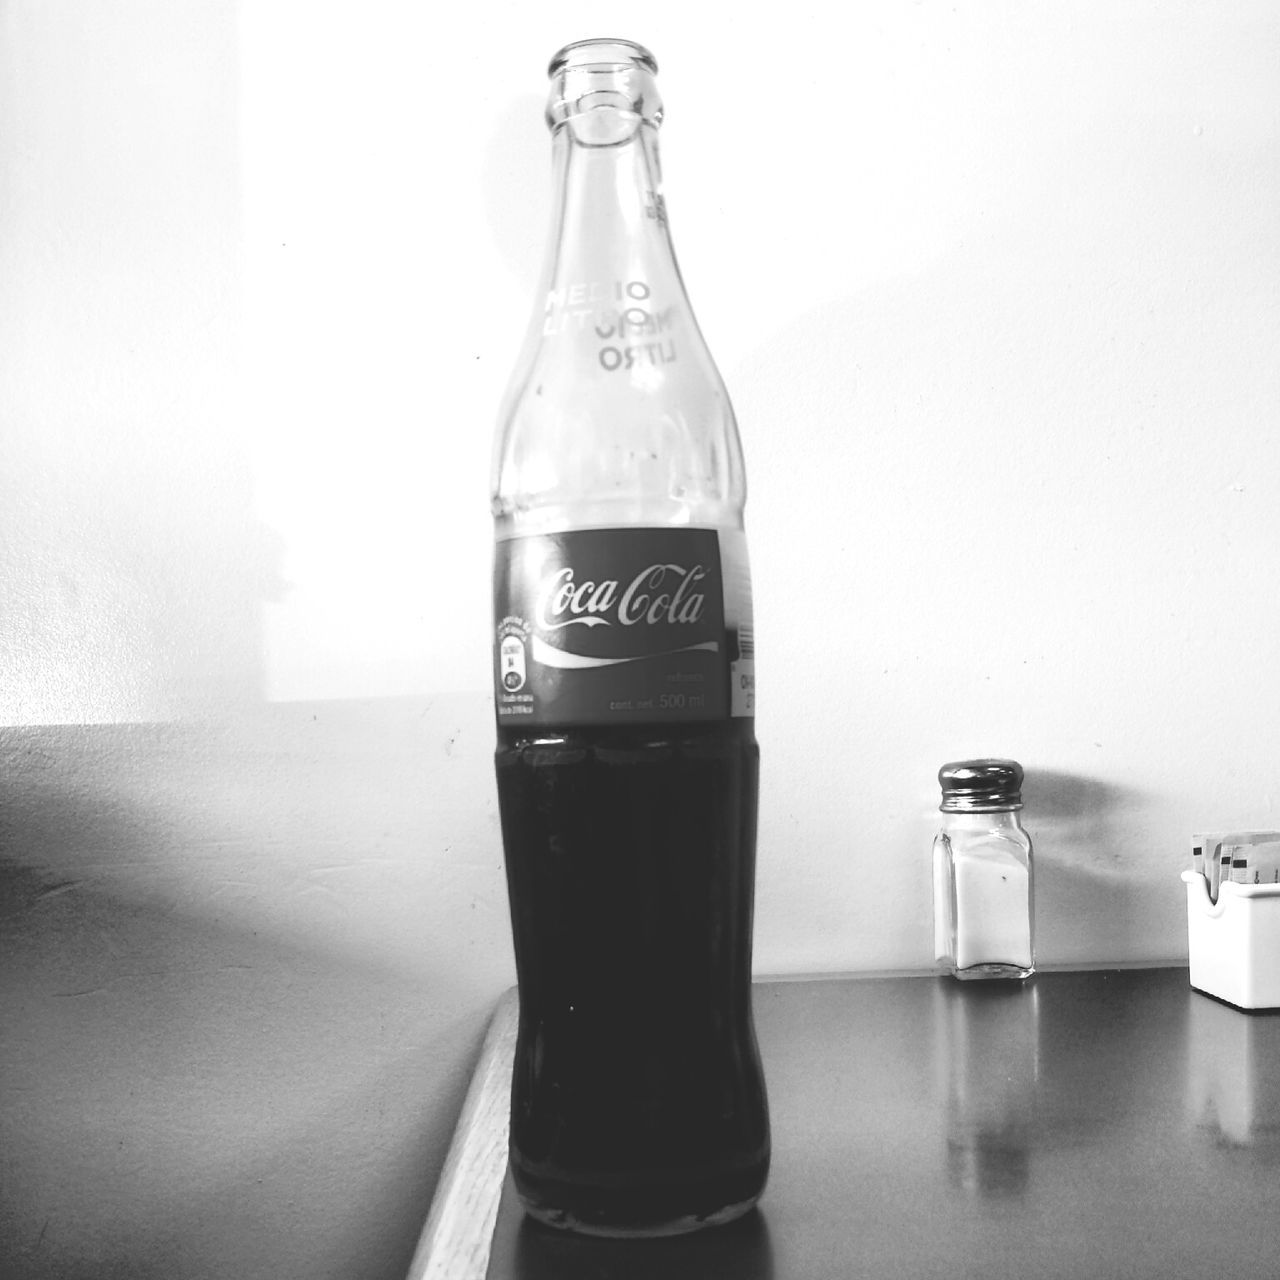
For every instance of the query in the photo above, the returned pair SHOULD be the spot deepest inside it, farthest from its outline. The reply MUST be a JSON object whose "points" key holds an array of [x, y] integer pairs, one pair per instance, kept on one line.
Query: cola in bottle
{"points": [[624, 678]]}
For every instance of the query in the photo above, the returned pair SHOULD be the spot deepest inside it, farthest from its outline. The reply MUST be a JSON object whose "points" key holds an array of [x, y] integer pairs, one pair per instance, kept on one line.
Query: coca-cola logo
{"points": [[613, 625], [659, 595]]}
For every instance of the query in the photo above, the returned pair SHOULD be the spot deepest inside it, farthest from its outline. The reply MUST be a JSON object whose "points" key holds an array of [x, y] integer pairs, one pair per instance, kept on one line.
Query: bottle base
{"points": [[981, 971], [567, 1221], [606, 1206]]}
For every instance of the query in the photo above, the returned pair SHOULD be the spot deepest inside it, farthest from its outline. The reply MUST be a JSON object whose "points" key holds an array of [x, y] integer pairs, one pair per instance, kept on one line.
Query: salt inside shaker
{"points": [[983, 905]]}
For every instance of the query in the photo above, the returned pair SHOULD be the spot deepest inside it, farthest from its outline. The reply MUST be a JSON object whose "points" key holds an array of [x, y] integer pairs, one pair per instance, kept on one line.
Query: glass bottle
{"points": [[624, 693], [983, 897]]}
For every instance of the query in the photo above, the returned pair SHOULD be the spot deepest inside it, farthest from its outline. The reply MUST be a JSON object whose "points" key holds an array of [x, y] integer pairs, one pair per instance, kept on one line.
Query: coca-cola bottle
{"points": [[624, 686]]}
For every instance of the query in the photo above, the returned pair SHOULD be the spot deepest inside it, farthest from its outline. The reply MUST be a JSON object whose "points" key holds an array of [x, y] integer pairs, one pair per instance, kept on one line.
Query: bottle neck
{"points": [[611, 266]]}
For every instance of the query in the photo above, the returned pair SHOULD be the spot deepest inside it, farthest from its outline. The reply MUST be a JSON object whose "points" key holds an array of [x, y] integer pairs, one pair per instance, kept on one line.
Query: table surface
{"points": [[1103, 1123]]}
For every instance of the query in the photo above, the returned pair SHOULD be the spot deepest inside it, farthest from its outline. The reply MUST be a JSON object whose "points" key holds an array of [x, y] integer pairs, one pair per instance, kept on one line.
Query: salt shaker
{"points": [[983, 904]]}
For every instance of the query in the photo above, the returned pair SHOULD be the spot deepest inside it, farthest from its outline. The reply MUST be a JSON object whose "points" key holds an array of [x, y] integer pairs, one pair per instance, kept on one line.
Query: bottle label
{"points": [[613, 626]]}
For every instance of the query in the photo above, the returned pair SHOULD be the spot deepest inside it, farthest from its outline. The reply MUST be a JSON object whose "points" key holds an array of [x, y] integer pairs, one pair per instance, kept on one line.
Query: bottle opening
{"points": [[605, 88], [603, 54]]}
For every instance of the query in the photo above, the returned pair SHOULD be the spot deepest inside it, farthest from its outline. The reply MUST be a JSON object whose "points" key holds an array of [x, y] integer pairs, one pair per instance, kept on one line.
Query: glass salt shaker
{"points": [[983, 903]]}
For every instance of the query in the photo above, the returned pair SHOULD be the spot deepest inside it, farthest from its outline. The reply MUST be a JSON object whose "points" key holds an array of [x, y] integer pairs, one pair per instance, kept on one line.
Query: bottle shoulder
{"points": [[565, 440], [615, 400]]}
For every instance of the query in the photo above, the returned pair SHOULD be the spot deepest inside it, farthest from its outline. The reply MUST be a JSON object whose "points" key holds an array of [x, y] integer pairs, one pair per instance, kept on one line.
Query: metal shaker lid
{"points": [[980, 786]]}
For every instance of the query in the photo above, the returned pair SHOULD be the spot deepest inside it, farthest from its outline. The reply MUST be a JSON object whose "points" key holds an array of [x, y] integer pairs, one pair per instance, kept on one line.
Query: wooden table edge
{"points": [[458, 1235]]}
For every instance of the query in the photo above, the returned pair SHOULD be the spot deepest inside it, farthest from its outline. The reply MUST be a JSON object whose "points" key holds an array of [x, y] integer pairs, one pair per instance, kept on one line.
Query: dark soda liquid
{"points": [[638, 1100]]}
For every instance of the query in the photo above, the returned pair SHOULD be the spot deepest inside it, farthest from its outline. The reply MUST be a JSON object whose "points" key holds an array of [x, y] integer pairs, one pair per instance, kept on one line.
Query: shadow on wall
{"points": [[1091, 906]]}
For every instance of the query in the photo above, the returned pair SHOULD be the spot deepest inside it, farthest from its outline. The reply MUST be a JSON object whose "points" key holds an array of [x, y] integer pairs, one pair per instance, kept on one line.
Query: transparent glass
{"points": [[983, 896], [616, 414], [638, 1097]]}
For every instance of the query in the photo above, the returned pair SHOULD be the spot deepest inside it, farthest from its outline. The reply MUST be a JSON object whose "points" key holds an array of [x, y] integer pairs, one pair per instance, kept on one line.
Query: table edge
{"points": [[458, 1235]]}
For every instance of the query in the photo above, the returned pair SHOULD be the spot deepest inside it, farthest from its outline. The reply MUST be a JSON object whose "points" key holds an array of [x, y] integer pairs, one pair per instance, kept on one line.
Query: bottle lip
{"points": [[607, 89], [602, 52]]}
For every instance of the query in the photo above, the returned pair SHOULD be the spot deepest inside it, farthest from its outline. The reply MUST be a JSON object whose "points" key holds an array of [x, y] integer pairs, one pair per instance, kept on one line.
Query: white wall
{"points": [[995, 290]]}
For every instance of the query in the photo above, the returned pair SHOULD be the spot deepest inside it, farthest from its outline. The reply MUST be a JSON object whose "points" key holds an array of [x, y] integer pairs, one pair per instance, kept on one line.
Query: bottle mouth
{"points": [[605, 89], [603, 54]]}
